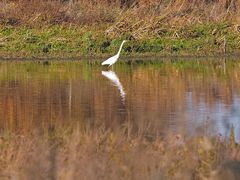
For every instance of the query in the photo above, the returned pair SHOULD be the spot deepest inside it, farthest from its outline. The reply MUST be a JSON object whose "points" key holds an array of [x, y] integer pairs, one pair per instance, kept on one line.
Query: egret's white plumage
{"points": [[110, 61]]}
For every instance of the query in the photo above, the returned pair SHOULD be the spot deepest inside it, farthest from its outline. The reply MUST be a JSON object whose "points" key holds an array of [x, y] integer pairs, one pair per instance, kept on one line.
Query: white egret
{"points": [[110, 61], [114, 78]]}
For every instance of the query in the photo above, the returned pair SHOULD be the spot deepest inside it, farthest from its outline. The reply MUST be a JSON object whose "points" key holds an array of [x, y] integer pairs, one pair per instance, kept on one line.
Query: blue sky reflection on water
{"points": [[218, 119]]}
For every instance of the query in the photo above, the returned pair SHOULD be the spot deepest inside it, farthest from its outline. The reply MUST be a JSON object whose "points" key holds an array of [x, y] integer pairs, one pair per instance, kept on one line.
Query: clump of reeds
{"points": [[151, 18], [108, 154]]}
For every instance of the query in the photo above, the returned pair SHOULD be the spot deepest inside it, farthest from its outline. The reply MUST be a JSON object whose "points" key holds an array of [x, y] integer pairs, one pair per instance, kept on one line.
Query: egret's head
{"points": [[124, 41]]}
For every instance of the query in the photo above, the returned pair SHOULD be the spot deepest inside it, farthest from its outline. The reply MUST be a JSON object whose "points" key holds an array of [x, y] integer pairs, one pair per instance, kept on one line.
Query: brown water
{"points": [[191, 96]]}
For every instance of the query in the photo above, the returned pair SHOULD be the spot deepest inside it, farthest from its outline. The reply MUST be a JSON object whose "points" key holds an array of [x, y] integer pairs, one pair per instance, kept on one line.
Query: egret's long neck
{"points": [[120, 48]]}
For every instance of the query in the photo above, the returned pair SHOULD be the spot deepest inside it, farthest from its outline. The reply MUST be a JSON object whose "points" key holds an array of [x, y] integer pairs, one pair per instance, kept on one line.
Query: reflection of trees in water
{"points": [[155, 97]]}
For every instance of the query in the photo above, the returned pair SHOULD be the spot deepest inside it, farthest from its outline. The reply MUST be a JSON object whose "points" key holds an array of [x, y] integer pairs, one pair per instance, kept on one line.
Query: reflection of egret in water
{"points": [[124, 112], [114, 78]]}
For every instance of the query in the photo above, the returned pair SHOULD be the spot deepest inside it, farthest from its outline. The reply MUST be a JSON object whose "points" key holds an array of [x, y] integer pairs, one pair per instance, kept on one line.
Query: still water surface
{"points": [[190, 96]]}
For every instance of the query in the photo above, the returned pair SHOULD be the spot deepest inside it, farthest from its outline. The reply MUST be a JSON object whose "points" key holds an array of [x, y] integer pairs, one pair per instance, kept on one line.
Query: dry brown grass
{"points": [[140, 18], [106, 154], [153, 16], [35, 13], [135, 12]]}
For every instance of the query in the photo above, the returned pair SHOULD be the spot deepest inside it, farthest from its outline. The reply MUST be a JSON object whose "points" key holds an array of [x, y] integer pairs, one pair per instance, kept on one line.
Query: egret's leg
{"points": [[111, 66]]}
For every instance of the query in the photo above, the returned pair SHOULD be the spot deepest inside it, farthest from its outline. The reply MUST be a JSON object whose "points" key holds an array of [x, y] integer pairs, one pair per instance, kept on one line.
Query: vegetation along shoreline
{"points": [[75, 29], [73, 42]]}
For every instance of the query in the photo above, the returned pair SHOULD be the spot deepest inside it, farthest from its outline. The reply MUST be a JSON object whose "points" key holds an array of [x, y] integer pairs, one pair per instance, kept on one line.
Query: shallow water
{"points": [[190, 96]]}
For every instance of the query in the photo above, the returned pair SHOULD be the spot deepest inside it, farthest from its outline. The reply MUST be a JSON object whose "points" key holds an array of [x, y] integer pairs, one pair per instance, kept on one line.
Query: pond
{"points": [[158, 96]]}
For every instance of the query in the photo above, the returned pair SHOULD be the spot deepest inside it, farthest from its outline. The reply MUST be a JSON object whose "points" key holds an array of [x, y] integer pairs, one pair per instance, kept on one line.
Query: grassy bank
{"points": [[77, 41], [89, 28], [105, 154]]}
